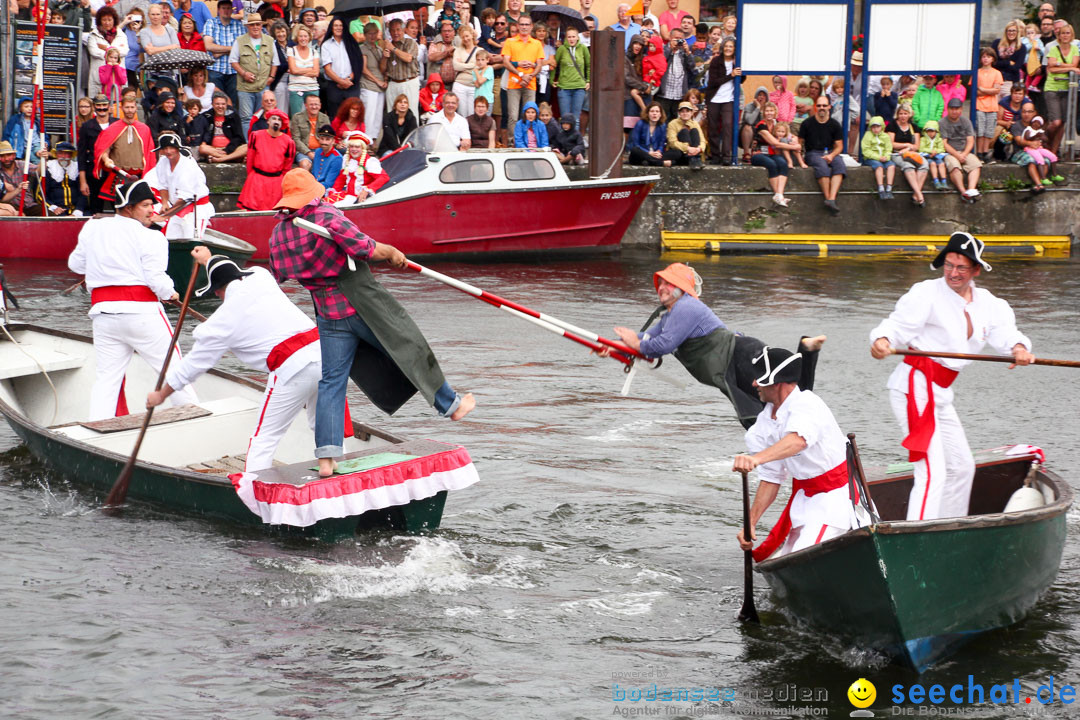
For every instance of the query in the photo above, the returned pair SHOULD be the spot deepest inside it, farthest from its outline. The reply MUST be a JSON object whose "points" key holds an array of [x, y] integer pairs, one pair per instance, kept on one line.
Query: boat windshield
{"points": [[431, 138]]}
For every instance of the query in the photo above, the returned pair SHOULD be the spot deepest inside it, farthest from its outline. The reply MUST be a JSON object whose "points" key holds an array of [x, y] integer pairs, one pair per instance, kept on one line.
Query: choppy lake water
{"points": [[597, 550]]}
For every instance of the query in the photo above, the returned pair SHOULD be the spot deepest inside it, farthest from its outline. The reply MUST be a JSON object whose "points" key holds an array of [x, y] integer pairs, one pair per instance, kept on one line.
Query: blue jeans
{"points": [[249, 101], [226, 84], [339, 340], [774, 164], [878, 163], [571, 102]]}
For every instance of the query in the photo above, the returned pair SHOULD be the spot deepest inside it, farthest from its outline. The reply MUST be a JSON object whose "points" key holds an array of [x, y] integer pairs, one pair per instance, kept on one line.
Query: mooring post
{"points": [[608, 85]]}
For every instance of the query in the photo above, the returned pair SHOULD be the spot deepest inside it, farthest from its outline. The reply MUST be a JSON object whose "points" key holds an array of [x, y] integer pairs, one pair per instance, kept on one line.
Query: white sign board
{"points": [[793, 38], [917, 38]]}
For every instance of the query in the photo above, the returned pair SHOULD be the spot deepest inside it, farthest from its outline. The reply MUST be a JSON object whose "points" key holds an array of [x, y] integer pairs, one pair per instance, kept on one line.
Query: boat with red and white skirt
{"points": [[437, 202]]}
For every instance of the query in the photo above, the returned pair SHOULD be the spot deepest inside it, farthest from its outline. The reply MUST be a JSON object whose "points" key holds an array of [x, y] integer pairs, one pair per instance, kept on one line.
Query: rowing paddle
{"points": [[986, 358], [748, 613], [118, 494]]}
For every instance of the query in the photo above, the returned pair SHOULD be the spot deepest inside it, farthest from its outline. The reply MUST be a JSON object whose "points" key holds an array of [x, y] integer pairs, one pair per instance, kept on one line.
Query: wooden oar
{"points": [[986, 358], [748, 613], [191, 311], [74, 287], [118, 494]]}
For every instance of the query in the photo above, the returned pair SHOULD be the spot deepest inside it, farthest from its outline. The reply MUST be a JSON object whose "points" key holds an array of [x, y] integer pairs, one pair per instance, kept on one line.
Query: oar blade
{"points": [[748, 613]]}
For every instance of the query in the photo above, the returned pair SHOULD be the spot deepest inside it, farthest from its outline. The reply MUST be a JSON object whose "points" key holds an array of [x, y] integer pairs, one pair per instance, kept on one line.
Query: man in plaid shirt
{"points": [[219, 35], [319, 264]]}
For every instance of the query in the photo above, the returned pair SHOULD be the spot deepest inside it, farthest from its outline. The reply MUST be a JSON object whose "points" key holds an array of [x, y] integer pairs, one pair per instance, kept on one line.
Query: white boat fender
{"points": [[1026, 498]]}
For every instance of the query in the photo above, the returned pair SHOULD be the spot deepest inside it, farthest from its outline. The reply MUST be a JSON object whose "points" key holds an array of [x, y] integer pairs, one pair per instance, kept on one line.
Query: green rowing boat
{"points": [[192, 458], [918, 590], [180, 260]]}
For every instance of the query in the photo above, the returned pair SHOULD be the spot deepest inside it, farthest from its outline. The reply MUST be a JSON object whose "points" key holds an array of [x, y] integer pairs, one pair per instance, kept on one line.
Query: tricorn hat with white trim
{"points": [[964, 244], [220, 271], [133, 193], [776, 365]]}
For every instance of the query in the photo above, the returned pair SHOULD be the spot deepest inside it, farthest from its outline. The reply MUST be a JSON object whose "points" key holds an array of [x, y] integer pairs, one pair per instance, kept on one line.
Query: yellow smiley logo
{"points": [[862, 693]]}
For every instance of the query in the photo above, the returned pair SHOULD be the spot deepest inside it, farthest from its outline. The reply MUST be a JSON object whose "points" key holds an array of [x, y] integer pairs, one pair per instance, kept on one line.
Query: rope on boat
{"points": [[56, 395]]}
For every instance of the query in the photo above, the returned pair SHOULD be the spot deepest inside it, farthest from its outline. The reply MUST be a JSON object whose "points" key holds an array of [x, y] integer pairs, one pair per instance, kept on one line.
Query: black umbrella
{"points": [[568, 17], [352, 8], [178, 59]]}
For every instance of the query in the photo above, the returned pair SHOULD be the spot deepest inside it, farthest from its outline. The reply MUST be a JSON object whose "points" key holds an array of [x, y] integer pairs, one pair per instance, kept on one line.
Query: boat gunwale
{"points": [[180, 473], [214, 237], [905, 527]]}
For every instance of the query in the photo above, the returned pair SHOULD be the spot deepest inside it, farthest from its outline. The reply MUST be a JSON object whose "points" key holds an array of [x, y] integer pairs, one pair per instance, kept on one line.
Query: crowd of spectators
{"points": [[500, 79]]}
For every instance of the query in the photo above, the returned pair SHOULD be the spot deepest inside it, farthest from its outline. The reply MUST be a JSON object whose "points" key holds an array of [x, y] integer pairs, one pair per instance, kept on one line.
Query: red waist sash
{"points": [[284, 349], [835, 478], [190, 208], [125, 293], [921, 426]]}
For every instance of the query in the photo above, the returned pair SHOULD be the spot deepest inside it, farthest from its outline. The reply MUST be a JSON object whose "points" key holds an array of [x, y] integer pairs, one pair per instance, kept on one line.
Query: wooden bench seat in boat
{"points": [[223, 431], [15, 363]]}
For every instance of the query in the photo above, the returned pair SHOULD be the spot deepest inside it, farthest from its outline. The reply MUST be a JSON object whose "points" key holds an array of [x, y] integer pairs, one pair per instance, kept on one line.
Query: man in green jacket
{"points": [[302, 127], [928, 103], [251, 57]]}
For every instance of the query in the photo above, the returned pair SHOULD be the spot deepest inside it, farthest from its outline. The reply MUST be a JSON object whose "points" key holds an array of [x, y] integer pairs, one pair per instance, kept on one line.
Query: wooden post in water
{"points": [[608, 84]]}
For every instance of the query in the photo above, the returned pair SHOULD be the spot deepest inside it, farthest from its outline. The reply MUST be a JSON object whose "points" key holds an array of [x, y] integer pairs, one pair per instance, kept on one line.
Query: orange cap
{"points": [[679, 275], [298, 188]]}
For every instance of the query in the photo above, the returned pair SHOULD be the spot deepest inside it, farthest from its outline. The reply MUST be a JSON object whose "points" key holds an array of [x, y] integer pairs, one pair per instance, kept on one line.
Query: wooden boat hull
{"points": [[481, 223], [919, 590], [180, 488]]}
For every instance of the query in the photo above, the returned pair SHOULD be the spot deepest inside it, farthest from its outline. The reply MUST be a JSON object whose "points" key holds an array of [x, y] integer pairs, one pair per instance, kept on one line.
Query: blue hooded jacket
{"points": [[15, 132], [521, 130]]}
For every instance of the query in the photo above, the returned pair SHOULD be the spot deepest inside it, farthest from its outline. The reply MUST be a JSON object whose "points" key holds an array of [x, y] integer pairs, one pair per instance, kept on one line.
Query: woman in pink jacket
{"points": [[782, 99], [950, 87]]}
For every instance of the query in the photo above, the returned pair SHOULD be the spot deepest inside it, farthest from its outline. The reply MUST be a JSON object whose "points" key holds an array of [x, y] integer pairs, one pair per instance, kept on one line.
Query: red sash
{"points": [[835, 478], [190, 208], [122, 293], [921, 426], [284, 349]]}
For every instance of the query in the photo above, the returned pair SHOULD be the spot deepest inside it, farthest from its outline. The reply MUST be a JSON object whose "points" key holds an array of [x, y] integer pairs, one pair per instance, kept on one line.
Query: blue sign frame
{"points": [[975, 49], [850, 4]]}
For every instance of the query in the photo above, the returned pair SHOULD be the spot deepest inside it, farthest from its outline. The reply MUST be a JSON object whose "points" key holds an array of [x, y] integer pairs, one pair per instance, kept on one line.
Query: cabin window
{"points": [[468, 171], [529, 169]]}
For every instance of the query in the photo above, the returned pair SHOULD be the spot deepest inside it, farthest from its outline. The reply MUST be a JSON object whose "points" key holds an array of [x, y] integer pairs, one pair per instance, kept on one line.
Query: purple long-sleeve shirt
{"points": [[688, 318]]}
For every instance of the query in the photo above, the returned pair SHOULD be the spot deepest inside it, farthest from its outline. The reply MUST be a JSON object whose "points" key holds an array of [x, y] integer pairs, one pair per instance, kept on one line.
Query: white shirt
{"points": [[333, 54], [184, 182], [726, 93], [206, 99], [930, 316], [457, 128], [120, 251], [807, 415], [254, 318]]}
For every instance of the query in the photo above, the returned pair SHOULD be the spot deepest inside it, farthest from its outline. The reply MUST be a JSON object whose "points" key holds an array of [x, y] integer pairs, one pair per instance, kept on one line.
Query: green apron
{"points": [[389, 379]]}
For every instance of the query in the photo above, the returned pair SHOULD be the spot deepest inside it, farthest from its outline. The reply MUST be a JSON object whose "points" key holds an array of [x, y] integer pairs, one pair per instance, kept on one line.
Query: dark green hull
{"points": [[181, 262], [918, 590]]}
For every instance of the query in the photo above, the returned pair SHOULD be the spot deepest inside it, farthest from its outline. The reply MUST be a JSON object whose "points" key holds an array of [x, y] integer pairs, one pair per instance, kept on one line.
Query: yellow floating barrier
{"points": [[1049, 246]]}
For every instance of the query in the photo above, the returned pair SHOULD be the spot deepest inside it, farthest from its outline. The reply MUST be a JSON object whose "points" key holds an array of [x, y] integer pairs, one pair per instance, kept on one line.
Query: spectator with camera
{"points": [[678, 78]]}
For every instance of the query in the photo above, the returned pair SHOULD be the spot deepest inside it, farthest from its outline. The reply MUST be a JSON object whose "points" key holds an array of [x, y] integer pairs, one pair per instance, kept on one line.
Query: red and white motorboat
{"points": [[437, 202]]}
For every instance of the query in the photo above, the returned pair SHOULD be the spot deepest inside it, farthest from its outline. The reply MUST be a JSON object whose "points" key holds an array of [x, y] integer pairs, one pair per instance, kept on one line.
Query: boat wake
{"points": [[426, 565]]}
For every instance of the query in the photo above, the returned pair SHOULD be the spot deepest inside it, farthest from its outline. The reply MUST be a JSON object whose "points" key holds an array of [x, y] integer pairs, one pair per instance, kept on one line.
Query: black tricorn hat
{"points": [[133, 193], [777, 365], [169, 139], [964, 244], [220, 271]]}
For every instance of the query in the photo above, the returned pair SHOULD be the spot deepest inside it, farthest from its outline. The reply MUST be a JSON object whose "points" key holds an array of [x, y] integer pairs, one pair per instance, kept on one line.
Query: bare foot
{"points": [[468, 402], [813, 344], [327, 466]]}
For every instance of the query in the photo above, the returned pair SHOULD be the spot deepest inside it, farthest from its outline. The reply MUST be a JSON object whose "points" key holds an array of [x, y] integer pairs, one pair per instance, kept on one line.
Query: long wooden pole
{"points": [[986, 358], [748, 613], [118, 494]]}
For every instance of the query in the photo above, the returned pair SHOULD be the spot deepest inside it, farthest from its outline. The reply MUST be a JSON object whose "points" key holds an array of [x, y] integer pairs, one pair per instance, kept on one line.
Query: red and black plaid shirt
{"points": [[314, 261]]}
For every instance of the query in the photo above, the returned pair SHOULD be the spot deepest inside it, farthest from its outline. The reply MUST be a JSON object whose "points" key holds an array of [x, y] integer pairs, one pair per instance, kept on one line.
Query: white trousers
{"points": [[805, 536], [374, 104], [410, 89], [466, 95], [282, 402], [183, 228], [116, 337], [943, 480]]}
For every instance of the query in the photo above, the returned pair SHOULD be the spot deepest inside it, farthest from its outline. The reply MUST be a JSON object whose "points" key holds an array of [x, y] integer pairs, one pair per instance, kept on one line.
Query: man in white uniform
{"points": [[795, 436], [951, 315], [185, 198], [124, 263], [266, 332]]}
